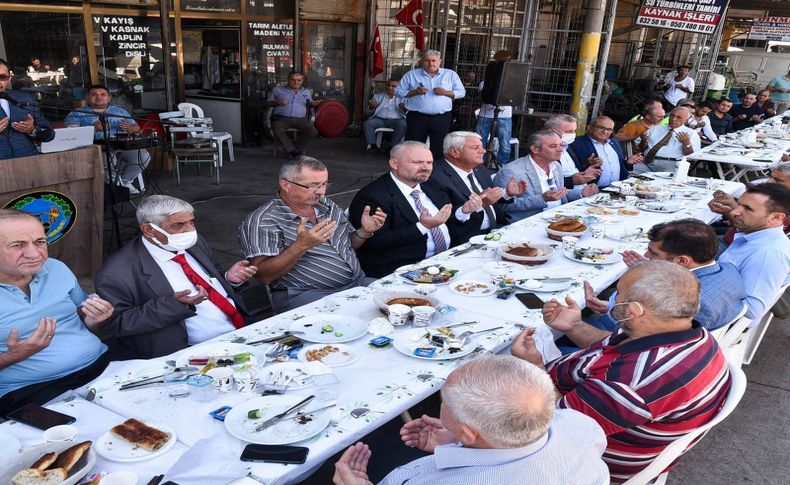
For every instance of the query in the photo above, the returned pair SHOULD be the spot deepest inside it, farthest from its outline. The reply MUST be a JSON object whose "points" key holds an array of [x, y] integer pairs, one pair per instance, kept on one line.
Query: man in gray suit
{"points": [[166, 287], [543, 174]]}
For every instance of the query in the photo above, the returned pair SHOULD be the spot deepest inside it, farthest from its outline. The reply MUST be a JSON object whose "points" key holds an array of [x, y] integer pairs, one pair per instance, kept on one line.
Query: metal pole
{"points": [[446, 21], [166, 54], [604, 57], [585, 68]]}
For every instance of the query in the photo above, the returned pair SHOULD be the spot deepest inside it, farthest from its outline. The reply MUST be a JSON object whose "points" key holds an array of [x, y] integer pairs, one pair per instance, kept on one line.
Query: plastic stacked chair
{"points": [[192, 110]]}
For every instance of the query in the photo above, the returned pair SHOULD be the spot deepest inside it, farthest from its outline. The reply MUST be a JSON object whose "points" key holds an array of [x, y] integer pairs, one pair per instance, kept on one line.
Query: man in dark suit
{"points": [[455, 175], [598, 145], [21, 122], [417, 213], [166, 287]]}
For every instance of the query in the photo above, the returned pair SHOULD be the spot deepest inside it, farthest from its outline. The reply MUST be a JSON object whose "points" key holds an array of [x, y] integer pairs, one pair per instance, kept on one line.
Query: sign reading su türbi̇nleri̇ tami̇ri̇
{"points": [[701, 16]]}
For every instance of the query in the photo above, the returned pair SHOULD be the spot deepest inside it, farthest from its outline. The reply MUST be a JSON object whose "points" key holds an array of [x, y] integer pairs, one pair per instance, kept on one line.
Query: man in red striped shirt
{"points": [[657, 378]]}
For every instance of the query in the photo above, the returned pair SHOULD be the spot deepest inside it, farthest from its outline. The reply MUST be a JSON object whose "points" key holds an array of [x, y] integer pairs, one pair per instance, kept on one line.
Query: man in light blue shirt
{"points": [[291, 104], [760, 249], [499, 426], [429, 92], [46, 344]]}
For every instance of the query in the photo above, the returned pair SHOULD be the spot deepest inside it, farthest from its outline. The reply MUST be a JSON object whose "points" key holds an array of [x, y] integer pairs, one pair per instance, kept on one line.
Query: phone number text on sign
{"points": [[701, 16]]}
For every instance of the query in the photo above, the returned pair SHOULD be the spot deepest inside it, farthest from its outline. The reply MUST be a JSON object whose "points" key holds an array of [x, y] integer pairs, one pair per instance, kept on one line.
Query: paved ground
{"points": [[752, 446]]}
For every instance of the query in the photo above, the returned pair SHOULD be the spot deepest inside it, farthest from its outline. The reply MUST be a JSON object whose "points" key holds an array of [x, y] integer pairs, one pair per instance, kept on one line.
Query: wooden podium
{"points": [[79, 176]]}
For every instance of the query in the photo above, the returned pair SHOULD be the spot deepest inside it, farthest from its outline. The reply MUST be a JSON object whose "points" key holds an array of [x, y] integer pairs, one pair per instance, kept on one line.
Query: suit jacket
{"points": [[530, 202], [148, 322], [721, 295], [583, 147], [447, 180], [399, 241], [14, 144]]}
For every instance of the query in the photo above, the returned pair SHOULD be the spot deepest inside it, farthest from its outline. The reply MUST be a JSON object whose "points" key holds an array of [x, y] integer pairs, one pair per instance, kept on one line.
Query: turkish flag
{"points": [[377, 61], [411, 16]]}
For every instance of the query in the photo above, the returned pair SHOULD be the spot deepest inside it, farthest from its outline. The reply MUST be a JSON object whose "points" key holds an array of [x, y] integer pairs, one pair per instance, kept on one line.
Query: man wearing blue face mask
{"points": [[166, 286]]}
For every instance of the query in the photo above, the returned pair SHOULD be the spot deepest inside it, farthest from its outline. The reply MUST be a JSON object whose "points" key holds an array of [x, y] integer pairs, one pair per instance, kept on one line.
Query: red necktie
{"points": [[213, 295]]}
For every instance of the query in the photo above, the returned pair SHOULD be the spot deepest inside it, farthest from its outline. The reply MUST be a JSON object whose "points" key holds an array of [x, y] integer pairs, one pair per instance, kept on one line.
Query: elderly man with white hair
{"points": [[663, 145], [498, 425], [660, 376], [168, 290]]}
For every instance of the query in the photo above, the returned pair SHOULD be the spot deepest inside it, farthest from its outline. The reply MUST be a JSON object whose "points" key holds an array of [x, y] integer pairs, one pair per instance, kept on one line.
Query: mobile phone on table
{"points": [[530, 300], [275, 454], [40, 417]]}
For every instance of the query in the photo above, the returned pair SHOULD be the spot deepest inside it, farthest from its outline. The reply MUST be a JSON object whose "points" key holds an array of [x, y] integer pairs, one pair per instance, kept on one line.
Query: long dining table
{"points": [[376, 385]]}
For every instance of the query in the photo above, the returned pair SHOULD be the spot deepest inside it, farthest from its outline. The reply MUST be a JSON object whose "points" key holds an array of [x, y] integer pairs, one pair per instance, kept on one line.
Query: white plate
{"points": [[660, 207], [547, 287], [504, 269], [661, 175], [343, 356], [416, 267], [558, 217], [30, 455], [350, 328], [602, 201], [629, 239], [113, 448], [481, 239], [479, 288], [611, 259], [406, 342], [216, 349], [286, 431], [295, 375]]}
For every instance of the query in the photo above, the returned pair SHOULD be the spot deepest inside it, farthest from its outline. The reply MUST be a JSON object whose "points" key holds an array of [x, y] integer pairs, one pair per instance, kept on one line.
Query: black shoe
{"points": [[374, 150]]}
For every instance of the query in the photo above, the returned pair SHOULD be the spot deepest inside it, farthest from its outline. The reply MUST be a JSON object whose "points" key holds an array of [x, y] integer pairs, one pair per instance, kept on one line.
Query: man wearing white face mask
{"points": [[565, 126], [660, 376], [167, 288]]}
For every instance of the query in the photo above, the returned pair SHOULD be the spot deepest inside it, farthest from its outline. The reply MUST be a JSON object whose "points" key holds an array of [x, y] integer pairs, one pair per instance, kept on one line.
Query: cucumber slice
{"points": [[254, 414]]}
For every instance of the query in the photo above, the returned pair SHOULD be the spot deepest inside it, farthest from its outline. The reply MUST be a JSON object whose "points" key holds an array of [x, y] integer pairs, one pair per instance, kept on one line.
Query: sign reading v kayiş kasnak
{"points": [[692, 15]]}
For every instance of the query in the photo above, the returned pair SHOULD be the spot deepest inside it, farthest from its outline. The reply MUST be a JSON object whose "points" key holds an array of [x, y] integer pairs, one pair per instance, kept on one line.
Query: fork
{"points": [[465, 336]]}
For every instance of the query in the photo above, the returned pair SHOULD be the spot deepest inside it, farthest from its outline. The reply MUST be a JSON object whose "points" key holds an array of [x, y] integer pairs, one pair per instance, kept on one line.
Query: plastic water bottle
{"points": [[681, 170]]}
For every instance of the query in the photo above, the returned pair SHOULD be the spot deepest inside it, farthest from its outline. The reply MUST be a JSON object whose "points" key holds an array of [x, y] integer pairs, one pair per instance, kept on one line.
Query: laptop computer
{"points": [[69, 138]]}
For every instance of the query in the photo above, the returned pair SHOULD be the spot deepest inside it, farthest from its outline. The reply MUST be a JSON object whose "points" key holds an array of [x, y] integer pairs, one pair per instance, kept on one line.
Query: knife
{"points": [[270, 339], [154, 378], [313, 411], [279, 417], [467, 250], [547, 280]]}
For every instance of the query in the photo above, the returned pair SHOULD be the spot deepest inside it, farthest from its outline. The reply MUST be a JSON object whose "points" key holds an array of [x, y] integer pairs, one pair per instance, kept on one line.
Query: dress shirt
{"points": [[544, 462], [430, 103], [388, 108], [6, 109], [546, 183], [430, 247], [209, 320], [87, 116], [486, 224], [297, 101], [673, 94], [610, 168], [568, 167], [706, 129], [487, 110], [763, 259], [674, 148]]}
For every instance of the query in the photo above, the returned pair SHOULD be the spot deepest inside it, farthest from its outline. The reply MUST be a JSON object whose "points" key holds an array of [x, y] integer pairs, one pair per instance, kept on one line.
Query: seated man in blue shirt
{"points": [[119, 122], [290, 105], [46, 320], [605, 152], [516, 437]]}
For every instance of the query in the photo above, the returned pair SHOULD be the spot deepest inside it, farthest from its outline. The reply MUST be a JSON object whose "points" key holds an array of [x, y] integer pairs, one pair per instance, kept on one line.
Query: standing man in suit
{"points": [[417, 212], [19, 127], [462, 173], [543, 174], [597, 145], [429, 92], [167, 288], [388, 112]]}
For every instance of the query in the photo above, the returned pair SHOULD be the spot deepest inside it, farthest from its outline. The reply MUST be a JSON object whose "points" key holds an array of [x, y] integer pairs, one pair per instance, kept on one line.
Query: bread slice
{"points": [[70, 456], [140, 434], [45, 460], [33, 476]]}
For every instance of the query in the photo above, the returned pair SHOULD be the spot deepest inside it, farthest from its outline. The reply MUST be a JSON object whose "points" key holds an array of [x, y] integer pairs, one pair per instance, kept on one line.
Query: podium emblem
{"points": [[56, 211]]}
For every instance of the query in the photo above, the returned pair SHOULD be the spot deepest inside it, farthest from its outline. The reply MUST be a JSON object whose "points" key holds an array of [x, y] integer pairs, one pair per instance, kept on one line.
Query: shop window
{"points": [[212, 62], [327, 51]]}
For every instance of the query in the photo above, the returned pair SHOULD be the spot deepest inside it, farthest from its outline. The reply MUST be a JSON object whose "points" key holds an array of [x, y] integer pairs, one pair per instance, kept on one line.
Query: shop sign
{"points": [[701, 16], [279, 9], [215, 6], [274, 41], [770, 28], [123, 37]]}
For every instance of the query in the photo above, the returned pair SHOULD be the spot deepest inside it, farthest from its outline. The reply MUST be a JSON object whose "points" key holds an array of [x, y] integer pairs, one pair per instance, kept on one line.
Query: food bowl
{"points": [[504, 249], [556, 235], [408, 298]]}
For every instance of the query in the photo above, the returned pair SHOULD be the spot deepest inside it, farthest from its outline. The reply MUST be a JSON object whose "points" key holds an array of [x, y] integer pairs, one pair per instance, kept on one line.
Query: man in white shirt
{"points": [[388, 112], [678, 86], [543, 174], [166, 287], [565, 126], [663, 145]]}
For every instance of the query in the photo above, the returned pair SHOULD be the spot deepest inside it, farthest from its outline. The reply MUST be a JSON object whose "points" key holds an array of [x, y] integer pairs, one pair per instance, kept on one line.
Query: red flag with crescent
{"points": [[411, 16], [377, 61]]}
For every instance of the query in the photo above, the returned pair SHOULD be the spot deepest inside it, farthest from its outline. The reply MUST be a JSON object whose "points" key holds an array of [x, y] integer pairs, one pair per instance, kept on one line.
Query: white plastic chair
{"points": [[192, 110], [757, 332], [380, 134], [731, 337], [654, 473]]}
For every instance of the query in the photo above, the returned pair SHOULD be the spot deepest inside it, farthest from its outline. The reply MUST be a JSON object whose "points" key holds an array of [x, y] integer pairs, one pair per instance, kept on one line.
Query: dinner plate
{"points": [[662, 175], [31, 455], [400, 272], [611, 259], [558, 217], [216, 349], [113, 448], [660, 207], [344, 354], [545, 287], [407, 342], [473, 288], [314, 328], [504, 269], [629, 238], [602, 201], [286, 431], [481, 239]]}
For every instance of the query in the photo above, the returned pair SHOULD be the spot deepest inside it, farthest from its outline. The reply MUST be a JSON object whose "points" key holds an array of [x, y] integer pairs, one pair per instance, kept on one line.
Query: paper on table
{"points": [[209, 461]]}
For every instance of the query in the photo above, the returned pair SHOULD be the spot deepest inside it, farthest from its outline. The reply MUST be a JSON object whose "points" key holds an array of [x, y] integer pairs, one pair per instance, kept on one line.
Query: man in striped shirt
{"points": [[659, 377], [301, 242]]}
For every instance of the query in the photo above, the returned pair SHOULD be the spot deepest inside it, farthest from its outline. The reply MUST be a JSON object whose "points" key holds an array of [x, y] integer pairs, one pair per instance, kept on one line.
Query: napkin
{"points": [[211, 461]]}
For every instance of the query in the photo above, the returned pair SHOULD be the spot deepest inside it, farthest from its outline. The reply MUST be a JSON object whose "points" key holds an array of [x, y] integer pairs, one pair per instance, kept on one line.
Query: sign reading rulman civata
{"points": [[692, 15], [770, 28]]}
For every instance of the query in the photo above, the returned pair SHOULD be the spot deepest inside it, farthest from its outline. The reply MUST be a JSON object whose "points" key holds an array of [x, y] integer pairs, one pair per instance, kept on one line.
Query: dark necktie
{"points": [[487, 209], [436, 234], [651, 154], [214, 296]]}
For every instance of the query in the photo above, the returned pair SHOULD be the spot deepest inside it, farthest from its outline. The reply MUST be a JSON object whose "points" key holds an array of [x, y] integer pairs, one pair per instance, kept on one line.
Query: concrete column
{"points": [[588, 56]]}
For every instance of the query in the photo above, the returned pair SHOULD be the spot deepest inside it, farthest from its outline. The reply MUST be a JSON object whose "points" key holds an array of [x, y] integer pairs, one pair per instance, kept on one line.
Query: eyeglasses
{"points": [[324, 185], [5, 77], [602, 128]]}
